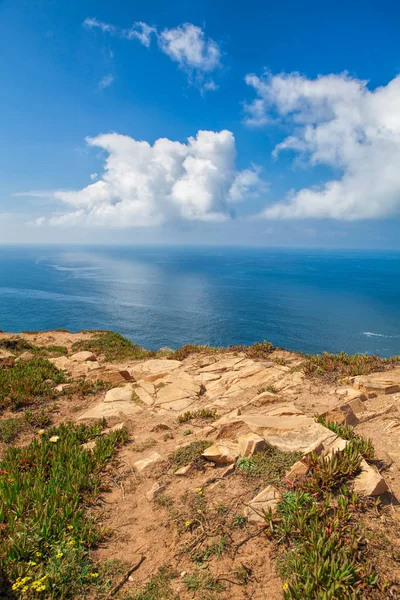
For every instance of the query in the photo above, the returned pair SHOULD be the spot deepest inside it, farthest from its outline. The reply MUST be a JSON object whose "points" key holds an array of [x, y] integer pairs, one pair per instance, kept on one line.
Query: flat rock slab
{"points": [[250, 444], [110, 409], [314, 437], [265, 501], [120, 394], [269, 425], [180, 390], [158, 365]]}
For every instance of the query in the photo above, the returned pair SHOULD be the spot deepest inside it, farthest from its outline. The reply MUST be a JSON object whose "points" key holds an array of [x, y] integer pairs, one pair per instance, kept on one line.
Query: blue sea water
{"points": [[309, 300]]}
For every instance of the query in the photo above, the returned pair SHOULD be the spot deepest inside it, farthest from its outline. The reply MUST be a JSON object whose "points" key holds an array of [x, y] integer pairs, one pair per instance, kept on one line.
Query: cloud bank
{"points": [[196, 54], [335, 120], [147, 185]]}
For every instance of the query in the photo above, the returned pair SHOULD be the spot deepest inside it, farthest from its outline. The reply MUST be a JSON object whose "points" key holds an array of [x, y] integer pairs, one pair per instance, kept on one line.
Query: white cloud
{"points": [[337, 121], [145, 185], [106, 81], [193, 51], [94, 23], [187, 45], [141, 31]]}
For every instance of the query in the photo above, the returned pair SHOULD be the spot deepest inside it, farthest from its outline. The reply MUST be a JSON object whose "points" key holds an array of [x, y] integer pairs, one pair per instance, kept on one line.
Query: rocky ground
{"points": [[203, 516]]}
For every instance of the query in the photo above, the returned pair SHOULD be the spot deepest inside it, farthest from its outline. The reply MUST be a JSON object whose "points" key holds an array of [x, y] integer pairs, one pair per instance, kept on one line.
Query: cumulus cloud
{"points": [[193, 51], [145, 185], [187, 45], [337, 121]]}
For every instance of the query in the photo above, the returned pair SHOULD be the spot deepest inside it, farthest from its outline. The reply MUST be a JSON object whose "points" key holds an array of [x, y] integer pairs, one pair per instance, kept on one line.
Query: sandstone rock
{"points": [[377, 383], [145, 463], [231, 431], [270, 425], [222, 454], [343, 414], [298, 470], [285, 409], [179, 392], [155, 491], [5, 354], [205, 431], [83, 356], [264, 398], [369, 482], [144, 396], [110, 410], [168, 436], [311, 438], [119, 394], [266, 500], [250, 443], [25, 356], [159, 365], [113, 376], [183, 471]]}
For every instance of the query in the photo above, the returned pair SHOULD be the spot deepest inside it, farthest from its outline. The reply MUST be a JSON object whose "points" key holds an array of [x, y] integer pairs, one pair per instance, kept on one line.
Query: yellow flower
{"points": [[199, 491], [188, 523], [70, 527], [54, 439], [285, 587], [41, 431], [24, 589], [199, 511], [59, 555], [40, 588], [32, 563], [38, 554], [94, 575], [71, 543]]}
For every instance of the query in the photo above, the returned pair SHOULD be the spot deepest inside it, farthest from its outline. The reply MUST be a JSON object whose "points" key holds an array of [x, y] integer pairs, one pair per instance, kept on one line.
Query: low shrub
{"points": [[114, 346], [343, 365]]}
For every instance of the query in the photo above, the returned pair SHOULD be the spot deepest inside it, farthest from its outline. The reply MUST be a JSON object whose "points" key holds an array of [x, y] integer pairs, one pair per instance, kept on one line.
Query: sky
{"points": [[206, 122]]}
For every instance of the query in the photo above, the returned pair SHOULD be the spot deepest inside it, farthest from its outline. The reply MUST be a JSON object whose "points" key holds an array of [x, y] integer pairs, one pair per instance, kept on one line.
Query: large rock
{"points": [[114, 376], [180, 390], [120, 394], [306, 439], [222, 454], [369, 482], [25, 356], [83, 356], [297, 471], [109, 410], [271, 425], [250, 444], [343, 414], [265, 501]]}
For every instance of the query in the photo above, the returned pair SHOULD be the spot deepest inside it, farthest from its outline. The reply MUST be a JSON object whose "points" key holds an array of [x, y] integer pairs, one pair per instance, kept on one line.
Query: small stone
{"points": [[157, 489], [183, 574], [250, 443], [142, 465], [369, 482], [297, 471], [183, 471], [372, 395], [161, 427], [266, 500], [25, 356], [83, 356], [334, 447], [168, 436], [222, 454], [343, 414]]}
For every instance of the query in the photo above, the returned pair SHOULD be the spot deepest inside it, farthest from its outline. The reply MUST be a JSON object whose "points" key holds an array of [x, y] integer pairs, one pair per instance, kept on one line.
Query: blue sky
{"points": [[298, 104]]}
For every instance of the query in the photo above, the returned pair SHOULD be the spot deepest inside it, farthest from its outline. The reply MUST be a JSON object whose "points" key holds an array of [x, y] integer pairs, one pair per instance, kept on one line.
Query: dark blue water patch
{"points": [[309, 300]]}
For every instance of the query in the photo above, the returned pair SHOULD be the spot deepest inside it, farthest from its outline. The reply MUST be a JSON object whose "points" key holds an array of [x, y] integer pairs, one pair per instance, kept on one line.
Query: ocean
{"points": [[308, 300]]}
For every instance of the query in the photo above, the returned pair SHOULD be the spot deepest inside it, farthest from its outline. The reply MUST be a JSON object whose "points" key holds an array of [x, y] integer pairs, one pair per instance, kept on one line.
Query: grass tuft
{"points": [[341, 365], [189, 454], [270, 464]]}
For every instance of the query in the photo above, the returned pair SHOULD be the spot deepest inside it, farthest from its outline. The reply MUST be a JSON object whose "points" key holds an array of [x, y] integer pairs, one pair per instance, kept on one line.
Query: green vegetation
{"points": [[84, 387], [204, 414], [257, 350], [25, 383], [317, 523], [19, 345], [342, 365], [113, 345], [269, 388], [10, 429], [362, 445], [45, 490], [189, 454], [270, 464]]}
